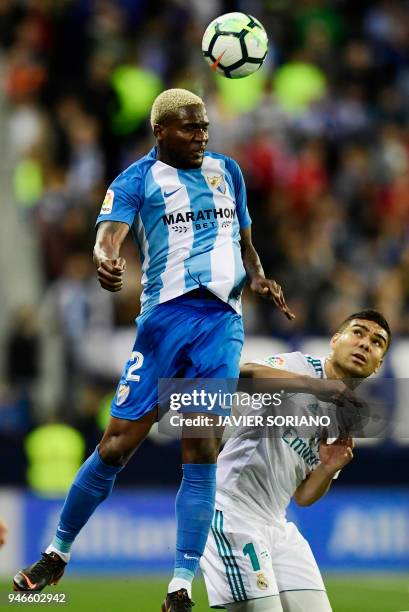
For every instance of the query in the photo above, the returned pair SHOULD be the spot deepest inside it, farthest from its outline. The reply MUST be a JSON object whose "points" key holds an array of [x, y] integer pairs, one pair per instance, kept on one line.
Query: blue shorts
{"points": [[183, 338]]}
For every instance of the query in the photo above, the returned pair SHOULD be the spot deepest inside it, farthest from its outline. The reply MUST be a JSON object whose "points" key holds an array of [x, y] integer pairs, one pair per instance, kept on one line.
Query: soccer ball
{"points": [[235, 45]]}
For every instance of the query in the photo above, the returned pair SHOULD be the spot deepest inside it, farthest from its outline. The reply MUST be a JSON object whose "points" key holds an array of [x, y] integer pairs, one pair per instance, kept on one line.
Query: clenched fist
{"points": [[110, 273]]}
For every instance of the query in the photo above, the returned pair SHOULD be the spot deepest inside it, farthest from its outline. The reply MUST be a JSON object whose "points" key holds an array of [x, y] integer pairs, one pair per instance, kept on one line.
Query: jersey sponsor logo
{"points": [[202, 219], [307, 449], [122, 394], [217, 182], [262, 581], [276, 361], [167, 194], [108, 203]]}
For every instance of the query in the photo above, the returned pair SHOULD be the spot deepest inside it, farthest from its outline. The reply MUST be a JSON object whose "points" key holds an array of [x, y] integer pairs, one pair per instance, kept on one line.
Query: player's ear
{"points": [[334, 339], [158, 131], [376, 370]]}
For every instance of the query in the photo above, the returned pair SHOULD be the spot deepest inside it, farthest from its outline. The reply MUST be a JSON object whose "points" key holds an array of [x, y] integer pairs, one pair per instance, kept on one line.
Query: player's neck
{"points": [[333, 371], [165, 159], [163, 156]]}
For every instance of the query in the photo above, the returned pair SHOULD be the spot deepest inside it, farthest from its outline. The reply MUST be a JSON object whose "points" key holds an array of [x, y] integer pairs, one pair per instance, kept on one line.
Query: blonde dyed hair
{"points": [[169, 101]]}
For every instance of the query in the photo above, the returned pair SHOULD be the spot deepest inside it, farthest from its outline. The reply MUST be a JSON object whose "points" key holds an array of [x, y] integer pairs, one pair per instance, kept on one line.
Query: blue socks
{"points": [[194, 514], [93, 483]]}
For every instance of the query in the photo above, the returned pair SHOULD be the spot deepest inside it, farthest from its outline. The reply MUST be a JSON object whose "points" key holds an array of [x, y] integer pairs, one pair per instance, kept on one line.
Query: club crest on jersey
{"points": [[262, 581], [217, 182], [108, 203], [122, 394], [276, 362]]}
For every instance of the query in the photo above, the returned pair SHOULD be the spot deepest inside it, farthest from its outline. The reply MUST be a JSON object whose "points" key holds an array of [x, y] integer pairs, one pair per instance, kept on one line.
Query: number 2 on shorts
{"points": [[251, 552], [137, 357]]}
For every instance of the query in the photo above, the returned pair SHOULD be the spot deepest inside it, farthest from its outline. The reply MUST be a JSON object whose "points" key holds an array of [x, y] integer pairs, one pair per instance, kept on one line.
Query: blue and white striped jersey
{"points": [[186, 224]]}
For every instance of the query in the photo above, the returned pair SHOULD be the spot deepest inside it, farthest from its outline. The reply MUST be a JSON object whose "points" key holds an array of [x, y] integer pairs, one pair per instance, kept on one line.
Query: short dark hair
{"points": [[370, 315]]}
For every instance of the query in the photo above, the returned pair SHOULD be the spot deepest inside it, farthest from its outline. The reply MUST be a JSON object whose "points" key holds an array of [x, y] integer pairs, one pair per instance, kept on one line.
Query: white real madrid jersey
{"points": [[259, 475], [186, 224]]}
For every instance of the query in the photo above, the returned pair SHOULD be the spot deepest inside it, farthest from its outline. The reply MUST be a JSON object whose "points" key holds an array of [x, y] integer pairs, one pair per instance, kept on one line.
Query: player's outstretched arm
{"points": [[333, 457], [274, 379], [261, 285], [110, 266]]}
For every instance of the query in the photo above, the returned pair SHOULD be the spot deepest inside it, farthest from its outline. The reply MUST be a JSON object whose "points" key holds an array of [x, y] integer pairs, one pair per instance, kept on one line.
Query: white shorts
{"points": [[245, 559]]}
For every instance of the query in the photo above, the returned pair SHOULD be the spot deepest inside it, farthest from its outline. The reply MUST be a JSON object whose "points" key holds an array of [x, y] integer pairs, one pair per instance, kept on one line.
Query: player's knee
{"points": [[114, 450], [200, 450]]}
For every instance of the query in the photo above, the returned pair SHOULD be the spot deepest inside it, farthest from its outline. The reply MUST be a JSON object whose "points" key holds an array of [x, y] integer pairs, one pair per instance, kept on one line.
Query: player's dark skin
{"points": [[181, 142]]}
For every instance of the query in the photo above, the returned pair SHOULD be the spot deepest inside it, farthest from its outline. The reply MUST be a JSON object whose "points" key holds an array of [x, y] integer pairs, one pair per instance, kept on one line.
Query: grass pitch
{"points": [[347, 594]]}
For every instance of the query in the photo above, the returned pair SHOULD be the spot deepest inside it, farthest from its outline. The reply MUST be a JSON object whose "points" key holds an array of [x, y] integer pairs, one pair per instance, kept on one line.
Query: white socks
{"points": [[179, 583], [64, 556]]}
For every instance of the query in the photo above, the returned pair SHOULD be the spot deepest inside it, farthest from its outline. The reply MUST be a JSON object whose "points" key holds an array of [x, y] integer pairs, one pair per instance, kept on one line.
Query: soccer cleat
{"points": [[179, 601], [47, 570]]}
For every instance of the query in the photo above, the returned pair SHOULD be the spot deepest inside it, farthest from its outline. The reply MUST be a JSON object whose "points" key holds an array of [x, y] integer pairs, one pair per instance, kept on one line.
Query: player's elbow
{"points": [[247, 370], [302, 499]]}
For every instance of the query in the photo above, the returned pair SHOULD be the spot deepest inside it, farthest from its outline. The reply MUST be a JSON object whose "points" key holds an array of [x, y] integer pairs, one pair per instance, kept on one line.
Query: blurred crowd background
{"points": [[322, 136]]}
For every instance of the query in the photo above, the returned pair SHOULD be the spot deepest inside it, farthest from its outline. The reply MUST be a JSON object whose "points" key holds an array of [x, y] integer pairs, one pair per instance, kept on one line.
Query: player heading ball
{"points": [[190, 323]]}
